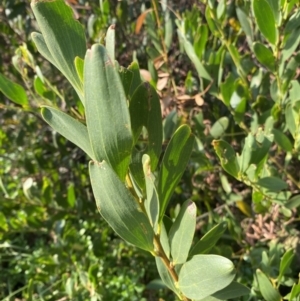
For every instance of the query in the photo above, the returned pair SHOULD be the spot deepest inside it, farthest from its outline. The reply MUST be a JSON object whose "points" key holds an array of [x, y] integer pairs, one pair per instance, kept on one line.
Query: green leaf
{"points": [[210, 298], [136, 77], [227, 88], [255, 149], [126, 77], [42, 47], [145, 111], [274, 4], [71, 197], [164, 238], [170, 124], [210, 21], [265, 20], [209, 240], [107, 114], [290, 71], [267, 290], [63, 43], [245, 23], [119, 208], [68, 127], [165, 275], [272, 183], [295, 292], [3, 222], [227, 157], [79, 65], [219, 127], [189, 49], [293, 22], [152, 201], [285, 263], [233, 290], [110, 42], [136, 169], [39, 86], [293, 202], [201, 40], [282, 140], [13, 91], [204, 275], [239, 110], [182, 232], [173, 165], [291, 44], [264, 55]]}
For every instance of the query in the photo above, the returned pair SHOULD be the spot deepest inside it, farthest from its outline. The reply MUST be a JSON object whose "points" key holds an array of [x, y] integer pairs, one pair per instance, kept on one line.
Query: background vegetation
{"points": [[218, 68]]}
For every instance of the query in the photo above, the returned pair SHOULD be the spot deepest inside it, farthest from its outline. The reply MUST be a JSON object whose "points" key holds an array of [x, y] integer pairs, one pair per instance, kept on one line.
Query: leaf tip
{"points": [[112, 27]]}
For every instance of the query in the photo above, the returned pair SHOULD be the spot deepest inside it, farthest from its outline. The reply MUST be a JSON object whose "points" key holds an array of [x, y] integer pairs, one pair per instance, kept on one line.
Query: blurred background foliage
{"points": [[210, 62]]}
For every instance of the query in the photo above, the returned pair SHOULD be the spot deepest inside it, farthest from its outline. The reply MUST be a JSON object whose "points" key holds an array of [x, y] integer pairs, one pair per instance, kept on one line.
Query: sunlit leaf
{"points": [[110, 42], [265, 20], [219, 127], [107, 114], [204, 275], [152, 201], [60, 44], [182, 232]]}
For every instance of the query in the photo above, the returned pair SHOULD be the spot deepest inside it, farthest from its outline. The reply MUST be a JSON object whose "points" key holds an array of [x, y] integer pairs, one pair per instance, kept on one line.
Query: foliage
{"points": [[242, 90]]}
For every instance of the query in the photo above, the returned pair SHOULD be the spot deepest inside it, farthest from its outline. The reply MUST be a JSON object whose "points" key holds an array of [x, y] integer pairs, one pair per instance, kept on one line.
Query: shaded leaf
{"points": [[136, 77], [209, 240], [126, 77], [165, 275], [285, 263], [264, 55], [282, 140], [13, 91], [227, 88], [293, 202], [227, 157], [173, 165], [119, 208], [189, 49], [233, 290], [68, 127], [291, 44], [272, 183], [267, 290], [145, 111]]}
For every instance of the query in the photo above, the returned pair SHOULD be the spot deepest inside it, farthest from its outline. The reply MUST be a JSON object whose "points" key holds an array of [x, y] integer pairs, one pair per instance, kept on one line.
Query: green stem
{"points": [[168, 264]]}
